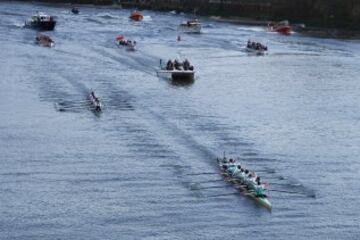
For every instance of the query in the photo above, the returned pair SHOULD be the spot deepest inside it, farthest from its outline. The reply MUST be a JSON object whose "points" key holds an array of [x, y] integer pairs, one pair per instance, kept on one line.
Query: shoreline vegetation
{"points": [[322, 18]]}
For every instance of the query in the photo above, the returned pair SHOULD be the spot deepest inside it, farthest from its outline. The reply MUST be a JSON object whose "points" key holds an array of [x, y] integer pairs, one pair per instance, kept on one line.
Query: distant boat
{"points": [[192, 26], [128, 44], [75, 11], [44, 40], [41, 21], [136, 16], [282, 27], [95, 102], [256, 48]]}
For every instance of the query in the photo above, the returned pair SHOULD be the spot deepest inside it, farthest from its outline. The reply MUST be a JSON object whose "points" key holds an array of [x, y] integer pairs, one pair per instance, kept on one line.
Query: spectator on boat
{"points": [[169, 65], [177, 65], [186, 64]]}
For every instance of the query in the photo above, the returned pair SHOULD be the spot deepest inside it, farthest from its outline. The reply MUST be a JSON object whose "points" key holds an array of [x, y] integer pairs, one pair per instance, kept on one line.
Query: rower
{"points": [[258, 180]]}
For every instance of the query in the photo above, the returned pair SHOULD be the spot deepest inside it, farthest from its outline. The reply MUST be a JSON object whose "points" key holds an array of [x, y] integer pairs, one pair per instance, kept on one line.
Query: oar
{"points": [[209, 181], [223, 195], [204, 188], [204, 173], [291, 192]]}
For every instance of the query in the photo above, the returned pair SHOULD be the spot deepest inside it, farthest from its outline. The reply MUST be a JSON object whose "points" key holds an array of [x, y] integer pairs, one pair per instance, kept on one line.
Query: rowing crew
{"points": [[251, 181], [95, 102], [185, 65], [256, 46]]}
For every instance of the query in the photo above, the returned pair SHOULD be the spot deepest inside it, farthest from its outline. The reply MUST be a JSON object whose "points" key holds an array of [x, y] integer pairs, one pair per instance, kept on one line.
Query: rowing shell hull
{"points": [[261, 201]]}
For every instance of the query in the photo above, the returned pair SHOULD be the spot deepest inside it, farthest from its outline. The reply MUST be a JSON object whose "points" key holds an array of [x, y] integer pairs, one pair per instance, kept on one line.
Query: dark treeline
{"points": [[324, 13]]}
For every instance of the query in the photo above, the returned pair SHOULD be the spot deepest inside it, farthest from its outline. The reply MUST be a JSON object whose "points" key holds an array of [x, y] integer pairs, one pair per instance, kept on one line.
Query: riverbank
{"points": [[240, 12]]}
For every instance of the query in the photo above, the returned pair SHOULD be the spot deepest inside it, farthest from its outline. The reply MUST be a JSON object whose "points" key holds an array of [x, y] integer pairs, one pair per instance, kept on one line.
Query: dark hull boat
{"points": [[41, 22], [75, 11]]}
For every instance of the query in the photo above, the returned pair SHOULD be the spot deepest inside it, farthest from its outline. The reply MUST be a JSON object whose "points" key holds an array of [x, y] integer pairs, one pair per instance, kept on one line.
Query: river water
{"points": [[134, 171]]}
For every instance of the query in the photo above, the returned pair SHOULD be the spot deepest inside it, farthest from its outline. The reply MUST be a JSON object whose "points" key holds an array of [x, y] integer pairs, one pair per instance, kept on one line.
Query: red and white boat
{"points": [[136, 16], [282, 27], [128, 44]]}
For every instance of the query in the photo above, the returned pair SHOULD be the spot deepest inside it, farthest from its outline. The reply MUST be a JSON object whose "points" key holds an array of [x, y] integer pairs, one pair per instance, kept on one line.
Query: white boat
{"points": [[193, 26], [128, 44]]}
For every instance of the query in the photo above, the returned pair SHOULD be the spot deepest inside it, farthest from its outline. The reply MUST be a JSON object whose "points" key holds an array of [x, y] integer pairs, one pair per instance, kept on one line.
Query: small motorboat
{"points": [[136, 16], [128, 44], [41, 21], [44, 40], [282, 27], [75, 10], [95, 102], [192, 26], [177, 70], [256, 48]]}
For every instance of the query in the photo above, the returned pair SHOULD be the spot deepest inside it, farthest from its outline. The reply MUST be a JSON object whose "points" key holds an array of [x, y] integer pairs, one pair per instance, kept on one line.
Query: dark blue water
{"points": [[292, 115]]}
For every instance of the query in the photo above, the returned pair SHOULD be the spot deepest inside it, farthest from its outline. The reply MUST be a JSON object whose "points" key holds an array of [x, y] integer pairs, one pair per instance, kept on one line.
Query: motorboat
{"points": [[282, 27], [44, 40], [136, 16], [75, 10], [41, 21], [192, 26], [128, 44], [177, 70], [256, 48]]}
